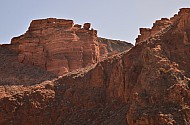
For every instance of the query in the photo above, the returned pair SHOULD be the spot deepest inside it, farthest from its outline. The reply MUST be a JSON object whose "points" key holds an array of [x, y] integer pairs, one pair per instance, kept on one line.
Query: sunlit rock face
{"points": [[59, 45], [147, 85]]}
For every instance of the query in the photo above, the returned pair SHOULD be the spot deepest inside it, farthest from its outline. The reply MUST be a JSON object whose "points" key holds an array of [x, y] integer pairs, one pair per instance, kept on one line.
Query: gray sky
{"points": [[115, 19]]}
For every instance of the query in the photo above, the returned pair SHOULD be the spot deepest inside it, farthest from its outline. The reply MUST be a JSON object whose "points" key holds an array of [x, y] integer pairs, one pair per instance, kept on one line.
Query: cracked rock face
{"points": [[60, 46], [147, 85], [57, 45], [161, 92]]}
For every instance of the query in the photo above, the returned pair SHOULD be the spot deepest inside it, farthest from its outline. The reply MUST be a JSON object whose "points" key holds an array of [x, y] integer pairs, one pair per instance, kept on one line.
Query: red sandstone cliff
{"points": [[147, 85], [60, 46], [57, 45]]}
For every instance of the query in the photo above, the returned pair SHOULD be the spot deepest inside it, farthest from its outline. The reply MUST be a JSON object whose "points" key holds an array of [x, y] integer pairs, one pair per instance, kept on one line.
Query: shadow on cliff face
{"points": [[81, 97], [15, 73]]}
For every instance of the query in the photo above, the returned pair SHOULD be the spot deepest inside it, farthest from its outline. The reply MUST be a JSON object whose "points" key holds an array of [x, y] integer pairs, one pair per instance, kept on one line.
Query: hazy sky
{"points": [[115, 19]]}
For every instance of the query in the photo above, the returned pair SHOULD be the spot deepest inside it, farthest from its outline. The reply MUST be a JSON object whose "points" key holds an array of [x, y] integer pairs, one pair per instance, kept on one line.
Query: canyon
{"points": [[58, 73]]}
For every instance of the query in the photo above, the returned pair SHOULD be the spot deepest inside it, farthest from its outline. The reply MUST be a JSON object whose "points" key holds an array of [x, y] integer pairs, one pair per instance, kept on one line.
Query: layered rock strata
{"points": [[59, 45]]}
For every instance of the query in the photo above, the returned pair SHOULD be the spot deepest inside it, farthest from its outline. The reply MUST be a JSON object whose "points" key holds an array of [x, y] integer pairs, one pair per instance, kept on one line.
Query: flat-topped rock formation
{"points": [[59, 45]]}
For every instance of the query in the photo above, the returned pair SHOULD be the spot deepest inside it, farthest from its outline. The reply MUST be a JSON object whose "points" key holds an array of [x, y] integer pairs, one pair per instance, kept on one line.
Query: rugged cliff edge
{"points": [[60, 46], [146, 85]]}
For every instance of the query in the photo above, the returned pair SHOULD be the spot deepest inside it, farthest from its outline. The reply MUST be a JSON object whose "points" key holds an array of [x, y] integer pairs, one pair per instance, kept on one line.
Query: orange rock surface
{"points": [[58, 45], [146, 85]]}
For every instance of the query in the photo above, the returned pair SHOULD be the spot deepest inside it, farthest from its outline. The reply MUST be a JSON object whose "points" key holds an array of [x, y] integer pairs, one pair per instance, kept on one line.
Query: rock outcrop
{"points": [[109, 47], [59, 45], [159, 26], [147, 85]]}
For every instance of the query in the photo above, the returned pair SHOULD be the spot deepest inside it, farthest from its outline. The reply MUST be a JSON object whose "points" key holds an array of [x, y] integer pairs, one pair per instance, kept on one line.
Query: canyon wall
{"points": [[60, 46], [57, 45], [146, 85]]}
